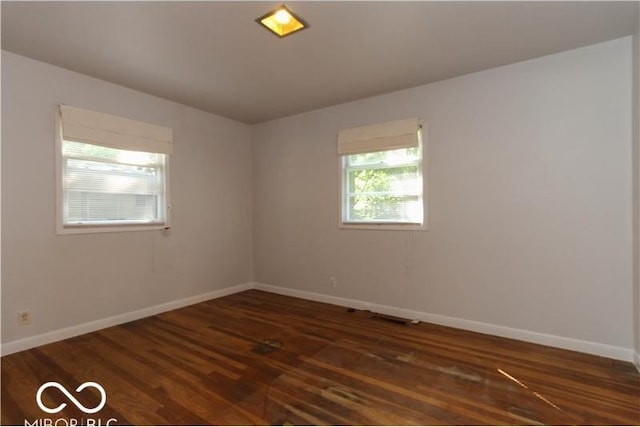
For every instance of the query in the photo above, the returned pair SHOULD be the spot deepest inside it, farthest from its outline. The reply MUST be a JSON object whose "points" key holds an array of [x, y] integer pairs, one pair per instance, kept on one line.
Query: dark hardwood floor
{"points": [[260, 358]]}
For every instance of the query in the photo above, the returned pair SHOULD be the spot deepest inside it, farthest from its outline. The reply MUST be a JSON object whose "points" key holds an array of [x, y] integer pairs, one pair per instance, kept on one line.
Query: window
{"points": [[112, 176], [382, 176], [383, 187], [104, 185]]}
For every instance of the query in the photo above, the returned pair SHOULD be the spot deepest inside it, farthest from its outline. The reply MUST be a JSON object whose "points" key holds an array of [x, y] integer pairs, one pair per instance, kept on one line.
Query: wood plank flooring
{"points": [[260, 358]]}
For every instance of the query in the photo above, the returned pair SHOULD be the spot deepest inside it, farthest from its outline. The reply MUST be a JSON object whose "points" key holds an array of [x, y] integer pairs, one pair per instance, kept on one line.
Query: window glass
{"points": [[103, 185], [383, 187]]}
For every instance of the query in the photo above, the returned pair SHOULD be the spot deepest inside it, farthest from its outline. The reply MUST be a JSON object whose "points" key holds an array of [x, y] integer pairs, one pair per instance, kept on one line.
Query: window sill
{"points": [[116, 228], [382, 226]]}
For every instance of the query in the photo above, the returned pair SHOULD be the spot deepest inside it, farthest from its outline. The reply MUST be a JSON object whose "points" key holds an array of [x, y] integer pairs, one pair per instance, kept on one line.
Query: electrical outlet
{"points": [[24, 317], [332, 282]]}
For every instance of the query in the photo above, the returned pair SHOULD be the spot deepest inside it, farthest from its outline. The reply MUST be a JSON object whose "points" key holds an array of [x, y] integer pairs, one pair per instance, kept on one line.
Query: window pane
{"points": [[103, 185], [97, 207], [399, 180], [111, 178], [391, 157], [385, 209], [383, 187], [97, 152]]}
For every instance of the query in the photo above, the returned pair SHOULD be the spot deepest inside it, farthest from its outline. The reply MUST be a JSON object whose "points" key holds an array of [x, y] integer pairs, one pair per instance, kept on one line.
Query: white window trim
{"points": [[63, 229], [388, 226]]}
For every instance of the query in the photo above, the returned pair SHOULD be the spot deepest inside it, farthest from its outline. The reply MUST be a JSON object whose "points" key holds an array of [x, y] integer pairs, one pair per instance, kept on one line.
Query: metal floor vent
{"points": [[394, 319], [386, 317], [390, 319]]}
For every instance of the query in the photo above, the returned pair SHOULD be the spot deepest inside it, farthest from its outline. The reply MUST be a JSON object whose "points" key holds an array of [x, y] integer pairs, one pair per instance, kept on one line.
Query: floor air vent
{"points": [[393, 319]]}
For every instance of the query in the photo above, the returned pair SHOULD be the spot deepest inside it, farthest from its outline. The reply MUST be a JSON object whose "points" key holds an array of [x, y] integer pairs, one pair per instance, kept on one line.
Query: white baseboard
{"points": [[613, 352], [604, 350], [72, 331]]}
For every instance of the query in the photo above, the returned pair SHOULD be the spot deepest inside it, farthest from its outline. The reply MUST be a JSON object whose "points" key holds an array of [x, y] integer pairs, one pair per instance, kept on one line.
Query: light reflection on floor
{"points": [[523, 385]]}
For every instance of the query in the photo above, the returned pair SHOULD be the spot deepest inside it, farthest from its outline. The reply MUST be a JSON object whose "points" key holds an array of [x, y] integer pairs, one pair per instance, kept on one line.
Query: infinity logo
{"points": [[43, 387]]}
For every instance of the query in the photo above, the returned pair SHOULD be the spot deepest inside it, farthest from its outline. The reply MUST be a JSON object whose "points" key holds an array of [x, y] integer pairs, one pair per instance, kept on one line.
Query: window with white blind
{"points": [[382, 176], [112, 173]]}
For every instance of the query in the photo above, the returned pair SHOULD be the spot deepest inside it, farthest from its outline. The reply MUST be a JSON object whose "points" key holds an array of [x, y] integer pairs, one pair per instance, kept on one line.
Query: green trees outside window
{"points": [[384, 186]]}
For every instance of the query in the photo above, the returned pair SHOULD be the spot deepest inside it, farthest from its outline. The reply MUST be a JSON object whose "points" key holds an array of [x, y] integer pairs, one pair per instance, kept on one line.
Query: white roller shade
{"points": [[91, 127], [379, 137]]}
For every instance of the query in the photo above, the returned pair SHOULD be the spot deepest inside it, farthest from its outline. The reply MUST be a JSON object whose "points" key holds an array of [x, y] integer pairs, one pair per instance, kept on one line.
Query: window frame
{"points": [[382, 225], [62, 228]]}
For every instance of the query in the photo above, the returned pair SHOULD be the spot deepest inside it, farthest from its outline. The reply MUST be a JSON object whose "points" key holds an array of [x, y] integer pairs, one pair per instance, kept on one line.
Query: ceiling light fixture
{"points": [[282, 21]]}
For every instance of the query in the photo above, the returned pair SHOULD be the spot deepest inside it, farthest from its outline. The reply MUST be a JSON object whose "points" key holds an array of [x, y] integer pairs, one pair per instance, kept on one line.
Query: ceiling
{"points": [[215, 57]]}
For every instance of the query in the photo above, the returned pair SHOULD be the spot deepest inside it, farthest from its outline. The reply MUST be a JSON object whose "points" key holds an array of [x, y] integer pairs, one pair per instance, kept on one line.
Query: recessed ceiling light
{"points": [[282, 21]]}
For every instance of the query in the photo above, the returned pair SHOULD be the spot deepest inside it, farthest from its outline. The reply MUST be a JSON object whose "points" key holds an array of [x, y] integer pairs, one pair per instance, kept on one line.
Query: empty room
{"points": [[320, 213]]}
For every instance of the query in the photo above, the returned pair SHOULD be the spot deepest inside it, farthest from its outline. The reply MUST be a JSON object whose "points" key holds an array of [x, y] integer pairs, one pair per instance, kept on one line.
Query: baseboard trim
{"points": [[72, 331], [613, 352], [619, 353]]}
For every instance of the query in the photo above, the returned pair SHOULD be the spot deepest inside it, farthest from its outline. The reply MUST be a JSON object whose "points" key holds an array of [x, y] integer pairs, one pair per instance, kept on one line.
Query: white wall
{"points": [[530, 200], [73, 279]]}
